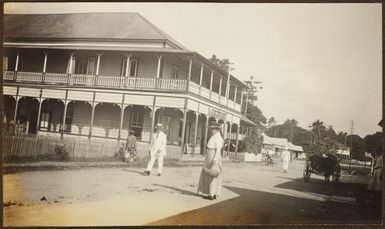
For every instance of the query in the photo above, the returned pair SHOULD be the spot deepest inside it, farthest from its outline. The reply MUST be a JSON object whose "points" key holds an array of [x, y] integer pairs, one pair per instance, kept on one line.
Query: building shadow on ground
{"points": [[320, 186], [181, 191], [257, 207]]}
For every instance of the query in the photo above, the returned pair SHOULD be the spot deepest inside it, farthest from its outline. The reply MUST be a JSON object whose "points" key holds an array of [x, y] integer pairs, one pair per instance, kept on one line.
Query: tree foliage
{"points": [[253, 141], [223, 64], [324, 139]]}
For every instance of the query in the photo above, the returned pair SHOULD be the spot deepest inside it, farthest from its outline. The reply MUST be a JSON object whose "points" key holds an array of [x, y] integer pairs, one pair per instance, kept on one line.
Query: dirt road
{"points": [[252, 194]]}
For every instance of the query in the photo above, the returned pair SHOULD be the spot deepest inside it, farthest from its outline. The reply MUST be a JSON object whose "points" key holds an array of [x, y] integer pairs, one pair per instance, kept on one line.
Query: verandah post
{"points": [[195, 131], [184, 125], [153, 117], [92, 115], [121, 117], [206, 133], [16, 65], [16, 107], [237, 139], [64, 115], [211, 83], [44, 67], [39, 112]]}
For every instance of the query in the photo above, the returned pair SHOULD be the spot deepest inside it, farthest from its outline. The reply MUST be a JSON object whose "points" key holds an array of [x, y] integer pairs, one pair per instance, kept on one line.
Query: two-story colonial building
{"points": [[98, 75]]}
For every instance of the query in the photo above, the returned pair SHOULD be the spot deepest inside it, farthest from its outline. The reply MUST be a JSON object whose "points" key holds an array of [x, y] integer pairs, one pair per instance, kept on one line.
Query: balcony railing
{"points": [[140, 83], [97, 81]]}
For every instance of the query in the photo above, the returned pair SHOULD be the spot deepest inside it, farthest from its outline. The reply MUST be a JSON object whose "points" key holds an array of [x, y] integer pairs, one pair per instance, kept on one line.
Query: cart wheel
{"points": [[337, 175], [307, 172]]}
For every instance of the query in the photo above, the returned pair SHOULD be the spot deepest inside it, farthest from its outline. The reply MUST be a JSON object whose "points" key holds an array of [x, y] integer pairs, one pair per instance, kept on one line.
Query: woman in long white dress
{"points": [[208, 185]]}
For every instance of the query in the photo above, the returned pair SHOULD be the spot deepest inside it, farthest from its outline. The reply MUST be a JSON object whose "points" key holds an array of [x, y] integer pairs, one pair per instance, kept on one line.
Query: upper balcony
{"points": [[129, 71]]}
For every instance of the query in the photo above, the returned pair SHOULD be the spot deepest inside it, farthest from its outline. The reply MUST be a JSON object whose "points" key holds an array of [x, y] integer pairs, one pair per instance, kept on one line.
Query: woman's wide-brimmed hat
{"points": [[214, 125], [159, 126]]}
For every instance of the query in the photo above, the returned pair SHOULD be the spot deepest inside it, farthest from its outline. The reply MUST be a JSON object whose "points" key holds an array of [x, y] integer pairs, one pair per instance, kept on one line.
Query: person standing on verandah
{"points": [[157, 150], [210, 180]]}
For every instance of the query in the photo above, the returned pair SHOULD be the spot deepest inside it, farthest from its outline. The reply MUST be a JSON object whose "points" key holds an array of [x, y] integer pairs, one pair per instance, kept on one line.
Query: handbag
{"points": [[213, 172]]}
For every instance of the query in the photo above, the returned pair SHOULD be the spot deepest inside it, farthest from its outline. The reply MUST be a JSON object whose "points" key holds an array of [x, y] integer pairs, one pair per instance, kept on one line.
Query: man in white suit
{"points": [[157, 150]]}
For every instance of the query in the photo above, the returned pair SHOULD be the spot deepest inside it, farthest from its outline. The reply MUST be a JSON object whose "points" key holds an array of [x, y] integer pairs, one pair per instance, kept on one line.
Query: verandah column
{"points": [[242, 92], [158, 71], [201, 78], [195, 131], [189, 73], [229, 134], [237, 139], [220, 88], [16, 106], [227, 88], [235, 96], [92, 115], [44, 66], [63, 123], [122, 108], [247, 101], [206, 133], [97, 68], [128, 59], [153, 117], [159, 66], [184, 125], [211, 82], [69, 72], [16, 65], [39, 112]]}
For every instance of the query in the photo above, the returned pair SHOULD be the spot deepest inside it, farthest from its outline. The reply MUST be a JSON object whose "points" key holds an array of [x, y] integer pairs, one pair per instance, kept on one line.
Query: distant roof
{"points": [[280, 142], [123, 26], [295, 147]]}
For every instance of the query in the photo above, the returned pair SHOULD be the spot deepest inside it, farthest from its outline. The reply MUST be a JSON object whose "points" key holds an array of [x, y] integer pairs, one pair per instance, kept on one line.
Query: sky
{"points": [[316, 61]]}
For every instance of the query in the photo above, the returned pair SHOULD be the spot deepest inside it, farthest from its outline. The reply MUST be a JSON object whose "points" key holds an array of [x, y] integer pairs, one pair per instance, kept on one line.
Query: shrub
{"points": [[61, 152]]}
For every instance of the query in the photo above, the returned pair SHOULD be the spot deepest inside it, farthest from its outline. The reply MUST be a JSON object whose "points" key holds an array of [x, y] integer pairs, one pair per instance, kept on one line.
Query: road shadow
{"points": [[181, 191], [257, 207], [319, 186]]}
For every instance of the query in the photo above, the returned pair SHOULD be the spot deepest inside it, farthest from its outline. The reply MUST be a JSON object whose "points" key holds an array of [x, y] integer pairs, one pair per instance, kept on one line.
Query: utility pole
{"points": [[351, 141]]}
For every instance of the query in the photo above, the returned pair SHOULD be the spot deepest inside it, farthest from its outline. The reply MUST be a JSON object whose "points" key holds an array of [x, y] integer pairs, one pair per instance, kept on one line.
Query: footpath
{"points": [[13, 167]]}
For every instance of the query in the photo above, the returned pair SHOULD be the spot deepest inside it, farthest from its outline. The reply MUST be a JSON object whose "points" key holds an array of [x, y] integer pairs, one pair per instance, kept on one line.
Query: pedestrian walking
{"points": [[285, 158], [130, 149], [157, 150], [210, 180]]}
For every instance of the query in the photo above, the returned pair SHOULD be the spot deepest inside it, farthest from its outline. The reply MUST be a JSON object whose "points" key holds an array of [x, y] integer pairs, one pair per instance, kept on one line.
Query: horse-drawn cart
{"points": [[323, 165]]}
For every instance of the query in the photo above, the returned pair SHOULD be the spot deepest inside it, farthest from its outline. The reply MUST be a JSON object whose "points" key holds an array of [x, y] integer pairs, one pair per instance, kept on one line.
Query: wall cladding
{"points": [[80, 95], [54, 94], [169, 102], [146, 100], [9, 90], [31, 92], [108, 97]]}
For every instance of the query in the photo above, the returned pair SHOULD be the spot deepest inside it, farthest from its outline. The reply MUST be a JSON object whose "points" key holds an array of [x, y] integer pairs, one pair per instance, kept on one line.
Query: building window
{"points": [[85, 66], [136, 122], [133, 67], [45, 121], [175, 72]]}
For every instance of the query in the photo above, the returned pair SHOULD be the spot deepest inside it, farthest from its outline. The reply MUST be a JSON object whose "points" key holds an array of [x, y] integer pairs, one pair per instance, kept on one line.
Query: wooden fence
{"points": [[49, 147], [39, 147]]}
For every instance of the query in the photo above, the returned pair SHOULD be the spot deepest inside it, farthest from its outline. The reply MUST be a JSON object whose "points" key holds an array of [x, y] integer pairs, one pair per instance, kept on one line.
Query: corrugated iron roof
{"points": [[126, 26]]}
